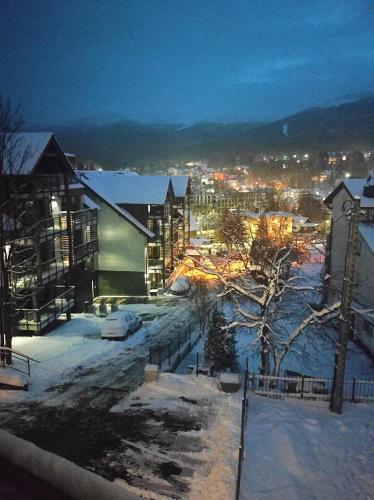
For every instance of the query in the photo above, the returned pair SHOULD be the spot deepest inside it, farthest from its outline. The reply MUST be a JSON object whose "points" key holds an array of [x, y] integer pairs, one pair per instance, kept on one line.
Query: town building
{"points": [[340, 200], [48, 238], [143, 227], [278, 224]]}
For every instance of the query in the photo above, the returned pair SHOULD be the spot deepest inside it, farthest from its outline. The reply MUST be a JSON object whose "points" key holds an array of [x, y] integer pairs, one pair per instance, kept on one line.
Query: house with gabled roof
{"points": [[339, 201], [138, 229], [49, 238]]}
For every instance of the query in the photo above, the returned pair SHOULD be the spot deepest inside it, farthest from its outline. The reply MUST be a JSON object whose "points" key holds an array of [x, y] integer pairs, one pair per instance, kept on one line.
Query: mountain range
{"points": [[346, 126]]}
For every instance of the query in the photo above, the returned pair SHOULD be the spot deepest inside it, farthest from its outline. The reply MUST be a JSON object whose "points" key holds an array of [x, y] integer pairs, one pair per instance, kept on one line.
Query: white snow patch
{"points": [[296, 450]]}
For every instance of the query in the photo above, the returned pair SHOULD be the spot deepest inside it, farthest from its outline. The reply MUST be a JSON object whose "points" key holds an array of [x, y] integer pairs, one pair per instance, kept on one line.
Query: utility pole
{"points": [[345, 314]]}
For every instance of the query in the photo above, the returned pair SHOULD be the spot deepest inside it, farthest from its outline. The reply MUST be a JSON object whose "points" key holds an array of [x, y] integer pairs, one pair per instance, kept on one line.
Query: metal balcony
{"points": [[155, 264], [42, 230], [81, 218], [85, 250], [29, 275], [36, 320]]}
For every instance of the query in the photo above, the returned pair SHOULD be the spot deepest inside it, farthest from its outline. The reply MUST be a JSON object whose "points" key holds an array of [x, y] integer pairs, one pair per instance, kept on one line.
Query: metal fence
{"points": [[242, 426], [7, 354], [304, 387], [158, 354]]}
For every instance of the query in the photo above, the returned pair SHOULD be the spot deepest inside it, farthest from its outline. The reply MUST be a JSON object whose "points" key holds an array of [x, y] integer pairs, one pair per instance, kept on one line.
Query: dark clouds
{"points": [[181, 61]]}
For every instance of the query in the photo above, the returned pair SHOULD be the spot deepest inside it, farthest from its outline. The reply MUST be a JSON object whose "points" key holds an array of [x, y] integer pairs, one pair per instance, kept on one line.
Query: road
{"points": [[72, 418], [104, 384]]}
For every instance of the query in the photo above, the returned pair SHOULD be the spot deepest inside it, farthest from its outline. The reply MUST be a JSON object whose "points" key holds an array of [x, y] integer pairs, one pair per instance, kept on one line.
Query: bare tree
{"points": [[257, 283], [200, 301], [15, 259]]}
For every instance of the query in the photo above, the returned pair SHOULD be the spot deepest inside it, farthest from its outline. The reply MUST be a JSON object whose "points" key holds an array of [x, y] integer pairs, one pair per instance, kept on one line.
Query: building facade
{"points": [[48, 239], [340, 200], [142, 229]]}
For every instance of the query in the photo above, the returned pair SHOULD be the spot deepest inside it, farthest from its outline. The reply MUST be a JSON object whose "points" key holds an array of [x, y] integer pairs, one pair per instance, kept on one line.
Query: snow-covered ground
{"points": [[210, 468], [298, 450], [75, 347]]}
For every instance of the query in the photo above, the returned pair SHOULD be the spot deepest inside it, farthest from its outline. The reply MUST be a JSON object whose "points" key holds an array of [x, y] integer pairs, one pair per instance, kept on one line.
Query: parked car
{"points": [[119, 325]]}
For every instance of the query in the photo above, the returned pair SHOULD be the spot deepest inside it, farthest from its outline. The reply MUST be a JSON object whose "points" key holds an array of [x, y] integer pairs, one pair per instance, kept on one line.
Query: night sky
{"points": [[183, 61]]}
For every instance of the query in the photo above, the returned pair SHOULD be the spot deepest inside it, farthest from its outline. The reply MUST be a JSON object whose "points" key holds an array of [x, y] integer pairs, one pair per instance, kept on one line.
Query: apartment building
{"points": [[143, 227], [49, 240]]}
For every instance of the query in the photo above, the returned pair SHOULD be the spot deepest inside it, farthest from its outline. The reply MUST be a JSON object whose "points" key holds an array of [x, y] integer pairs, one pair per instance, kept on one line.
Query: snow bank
{"points": [[296, 449], [74, 481], [167, 391]]}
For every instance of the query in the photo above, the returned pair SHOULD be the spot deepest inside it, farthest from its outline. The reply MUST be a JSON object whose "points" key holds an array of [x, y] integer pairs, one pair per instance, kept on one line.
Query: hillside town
{"points": [[186, 249], [88, 253]]}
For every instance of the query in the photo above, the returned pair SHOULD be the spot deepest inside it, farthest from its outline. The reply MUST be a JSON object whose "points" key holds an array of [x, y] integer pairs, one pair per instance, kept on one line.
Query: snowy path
{"points": [[299, 450], [108, 380]]}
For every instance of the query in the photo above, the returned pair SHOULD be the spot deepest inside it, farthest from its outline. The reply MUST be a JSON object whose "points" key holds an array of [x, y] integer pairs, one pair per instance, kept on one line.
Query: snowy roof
{"points": [[367, 232], [90, 203], [118, 187], [76, 185], [104, 192], [355, 187], [24, 151], [300, 219], [180, 184]]}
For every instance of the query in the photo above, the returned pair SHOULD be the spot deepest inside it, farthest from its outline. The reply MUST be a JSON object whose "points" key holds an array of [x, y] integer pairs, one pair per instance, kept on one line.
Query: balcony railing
{"points": [[36, 320], [155, 263], [42, 230], [40, 186], [86, 217], [157, 240], [28, 275], [85, 250]]}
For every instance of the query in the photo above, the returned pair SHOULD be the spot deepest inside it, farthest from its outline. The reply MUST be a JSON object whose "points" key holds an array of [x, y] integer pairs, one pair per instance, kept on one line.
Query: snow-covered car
{"points": [[180, 286], [119, 325]]}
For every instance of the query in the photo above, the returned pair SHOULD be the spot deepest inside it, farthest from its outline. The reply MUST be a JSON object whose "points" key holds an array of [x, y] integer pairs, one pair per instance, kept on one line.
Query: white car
{"points": [[119, 325]]}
